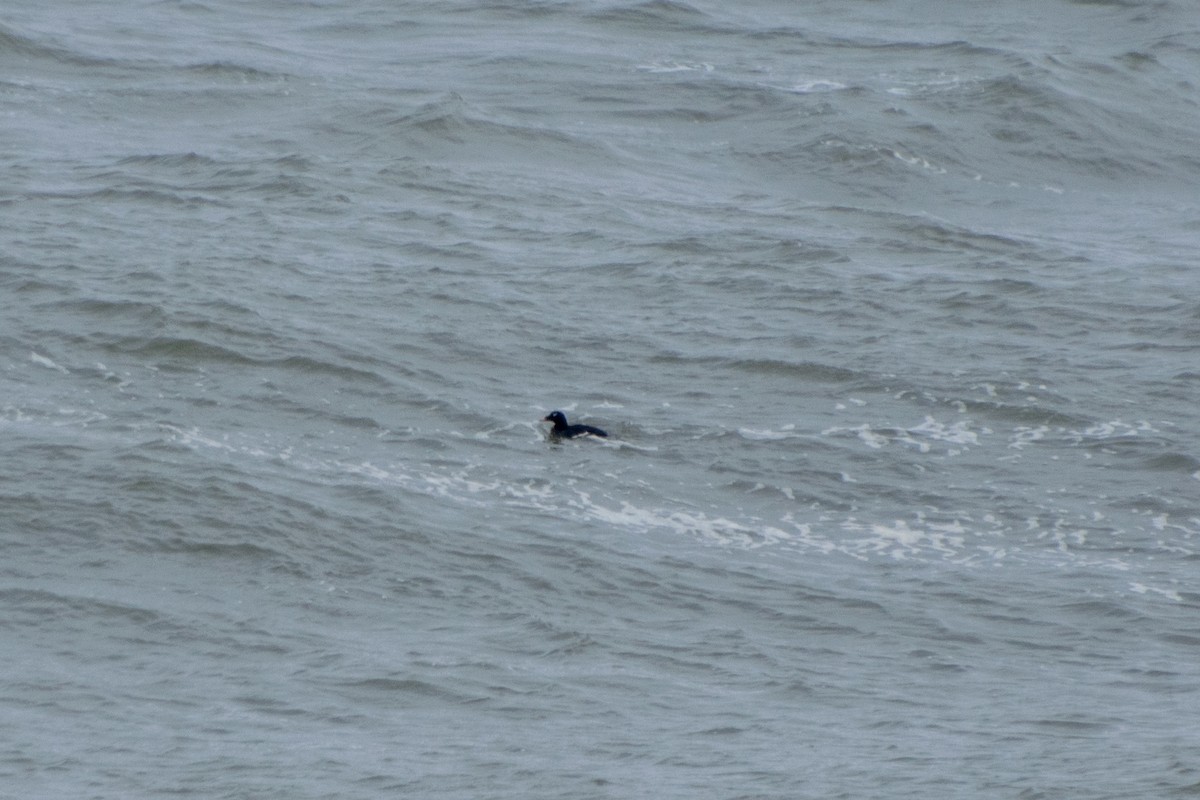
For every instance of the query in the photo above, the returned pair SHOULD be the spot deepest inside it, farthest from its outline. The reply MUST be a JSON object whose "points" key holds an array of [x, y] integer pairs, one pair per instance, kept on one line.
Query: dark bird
{"points": [[562, 429]]}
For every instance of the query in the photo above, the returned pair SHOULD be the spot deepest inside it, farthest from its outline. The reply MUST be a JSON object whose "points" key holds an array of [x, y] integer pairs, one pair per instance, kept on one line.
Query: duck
{"points": [[564, 431]]}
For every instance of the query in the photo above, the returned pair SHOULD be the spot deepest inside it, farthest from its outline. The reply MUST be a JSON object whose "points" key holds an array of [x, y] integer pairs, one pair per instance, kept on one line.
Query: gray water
{"points": [[890, 308]]}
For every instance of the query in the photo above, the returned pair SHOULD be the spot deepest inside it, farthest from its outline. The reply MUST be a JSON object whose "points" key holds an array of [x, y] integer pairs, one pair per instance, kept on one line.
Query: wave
{"points": [[671, 14], [450, 125], [788, 516], [29, 47]]}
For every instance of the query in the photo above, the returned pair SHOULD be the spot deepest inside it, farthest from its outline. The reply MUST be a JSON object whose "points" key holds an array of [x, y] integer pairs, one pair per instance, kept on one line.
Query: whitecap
{"points": [[46, 362], [817, 86], [1170, 594], [674, 66]]}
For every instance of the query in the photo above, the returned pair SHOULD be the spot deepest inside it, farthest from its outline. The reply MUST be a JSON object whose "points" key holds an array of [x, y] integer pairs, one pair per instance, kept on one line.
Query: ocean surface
{"points": [[891, 309]]}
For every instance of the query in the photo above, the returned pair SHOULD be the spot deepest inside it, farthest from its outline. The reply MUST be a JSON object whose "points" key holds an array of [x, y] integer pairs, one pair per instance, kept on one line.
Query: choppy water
{"points": [[891, 309]]}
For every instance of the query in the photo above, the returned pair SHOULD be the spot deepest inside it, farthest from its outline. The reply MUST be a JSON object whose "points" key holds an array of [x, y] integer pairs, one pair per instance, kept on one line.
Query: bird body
{"points": [[563, 430]]}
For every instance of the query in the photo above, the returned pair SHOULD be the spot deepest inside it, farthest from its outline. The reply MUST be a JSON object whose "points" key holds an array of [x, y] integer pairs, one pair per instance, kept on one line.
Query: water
{"points": [[890, 309]]}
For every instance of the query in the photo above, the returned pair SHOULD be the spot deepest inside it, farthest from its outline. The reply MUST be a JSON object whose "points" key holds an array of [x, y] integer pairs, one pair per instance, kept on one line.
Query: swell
{"points": [[803, 370], [181, 353], [451, 126], [35, 607], [29, 48]]}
